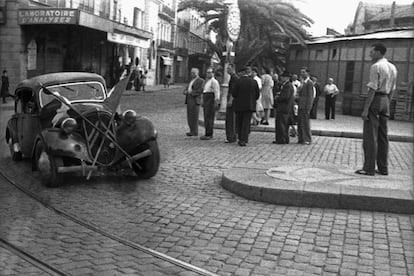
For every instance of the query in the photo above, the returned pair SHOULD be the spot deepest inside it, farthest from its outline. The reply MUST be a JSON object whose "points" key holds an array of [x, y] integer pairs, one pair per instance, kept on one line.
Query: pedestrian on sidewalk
{"points": [[331, 90], [231, 136], [245, 94], [381, 87], [192, 94], [267, 95], [314, 110], [4, 91], [211, 103], [258, 115], [306, 92], [284, 105], [143, 79]]}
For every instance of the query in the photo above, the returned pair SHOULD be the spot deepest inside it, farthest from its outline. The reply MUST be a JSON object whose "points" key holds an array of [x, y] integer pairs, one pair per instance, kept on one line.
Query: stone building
{"points": [[374, 17], [43, 36], [192, 48]]}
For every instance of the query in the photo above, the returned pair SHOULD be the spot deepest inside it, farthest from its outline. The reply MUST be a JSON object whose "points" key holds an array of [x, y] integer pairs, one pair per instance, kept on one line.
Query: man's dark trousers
{"points": [[209, 113], [375, 139], [330, 106], [230, 124], [282, 128], [304, 130], [243, 125], [193, 110], [314, 110]]}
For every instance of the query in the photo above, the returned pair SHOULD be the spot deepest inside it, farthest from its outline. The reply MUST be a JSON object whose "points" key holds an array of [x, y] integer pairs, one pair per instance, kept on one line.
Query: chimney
{"points": [[392, 19]]}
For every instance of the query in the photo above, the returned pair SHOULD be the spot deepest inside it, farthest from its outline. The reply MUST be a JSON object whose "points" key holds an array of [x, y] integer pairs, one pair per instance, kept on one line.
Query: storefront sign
{"points": [[47, 16], [31, 55], [128, 40]]}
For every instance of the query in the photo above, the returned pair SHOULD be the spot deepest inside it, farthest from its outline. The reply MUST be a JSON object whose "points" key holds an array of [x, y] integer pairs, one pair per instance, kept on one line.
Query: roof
{"points": [[59, 78], [377, 35], [400, 12]]}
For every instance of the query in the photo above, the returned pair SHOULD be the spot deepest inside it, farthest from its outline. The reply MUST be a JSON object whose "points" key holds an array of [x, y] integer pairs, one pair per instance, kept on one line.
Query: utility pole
{"points": [[233, 31]]}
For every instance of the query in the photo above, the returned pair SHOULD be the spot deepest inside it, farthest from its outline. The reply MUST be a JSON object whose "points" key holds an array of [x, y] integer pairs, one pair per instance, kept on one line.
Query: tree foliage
{"points": [[267, 29]]}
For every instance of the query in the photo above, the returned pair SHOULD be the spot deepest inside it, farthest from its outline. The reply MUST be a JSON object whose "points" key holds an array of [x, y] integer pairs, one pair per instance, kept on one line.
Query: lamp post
{"points": [[233, 30]]}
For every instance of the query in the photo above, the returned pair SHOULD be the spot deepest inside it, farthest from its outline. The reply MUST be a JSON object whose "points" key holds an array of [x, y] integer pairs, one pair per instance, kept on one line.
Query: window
{"points": [[138, 18], [349, 76], [298, 54], [318, 54], [334, 52], [52, 3]]}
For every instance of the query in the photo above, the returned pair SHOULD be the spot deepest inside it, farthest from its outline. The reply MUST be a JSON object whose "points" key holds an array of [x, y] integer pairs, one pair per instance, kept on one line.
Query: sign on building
{"points": [[47, 16]]}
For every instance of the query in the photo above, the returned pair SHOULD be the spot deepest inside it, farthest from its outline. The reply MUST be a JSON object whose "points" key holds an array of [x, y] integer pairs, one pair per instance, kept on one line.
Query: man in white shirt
{"points": [[331, 90], [211, 101], [381, 87]]}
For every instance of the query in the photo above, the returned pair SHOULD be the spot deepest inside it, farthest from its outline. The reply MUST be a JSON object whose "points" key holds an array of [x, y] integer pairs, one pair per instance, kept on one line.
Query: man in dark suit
{"points": [[193, 93], [306, 94], [231, 136], [284, 107], [245, 94], [314, 110]]}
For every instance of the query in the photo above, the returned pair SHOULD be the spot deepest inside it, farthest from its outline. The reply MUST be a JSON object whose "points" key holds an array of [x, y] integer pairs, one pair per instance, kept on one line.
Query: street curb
{"points": [[328, 133], [319, 194]]}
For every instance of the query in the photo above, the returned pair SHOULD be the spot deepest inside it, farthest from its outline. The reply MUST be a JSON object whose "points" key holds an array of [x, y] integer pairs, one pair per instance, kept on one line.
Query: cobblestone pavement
{"points": [[184, 212]]}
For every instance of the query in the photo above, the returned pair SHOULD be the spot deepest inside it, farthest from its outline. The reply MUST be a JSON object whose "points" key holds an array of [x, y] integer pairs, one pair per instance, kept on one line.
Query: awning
{"points": [[128, 40], [167, 60]]}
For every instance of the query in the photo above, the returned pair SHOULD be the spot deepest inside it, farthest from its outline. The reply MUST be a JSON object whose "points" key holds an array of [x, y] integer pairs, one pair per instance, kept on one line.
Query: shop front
{"points": [[71, 40]]}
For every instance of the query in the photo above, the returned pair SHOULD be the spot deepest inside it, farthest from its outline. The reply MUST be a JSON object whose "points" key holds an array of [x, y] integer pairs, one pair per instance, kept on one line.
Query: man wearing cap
{"points": [[284, 106], [245, 94], [381, 87]]}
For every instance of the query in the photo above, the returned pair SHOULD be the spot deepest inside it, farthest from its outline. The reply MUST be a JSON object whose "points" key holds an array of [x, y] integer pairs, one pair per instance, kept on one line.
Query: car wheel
{"points": [[149, 165], [15, 155], [47, 166]]}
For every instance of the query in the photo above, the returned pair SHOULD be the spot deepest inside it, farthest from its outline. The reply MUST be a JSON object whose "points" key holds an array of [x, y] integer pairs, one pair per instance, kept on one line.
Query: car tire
{"points": [[15, 155], [149, 165], [47, 166]]}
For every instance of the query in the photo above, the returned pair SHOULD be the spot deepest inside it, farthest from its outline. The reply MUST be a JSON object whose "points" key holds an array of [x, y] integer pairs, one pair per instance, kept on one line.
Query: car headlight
{"points": [[69, 125], [130, 117]]}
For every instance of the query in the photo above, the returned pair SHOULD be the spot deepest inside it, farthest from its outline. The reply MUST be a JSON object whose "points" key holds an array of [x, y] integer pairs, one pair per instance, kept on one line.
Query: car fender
{"points": [[58, 143], [129, 136], [11, 130]]}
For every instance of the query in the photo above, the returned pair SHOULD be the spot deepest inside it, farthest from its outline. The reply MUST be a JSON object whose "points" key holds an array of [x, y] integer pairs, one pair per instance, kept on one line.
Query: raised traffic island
{"points": [[321, 186]]}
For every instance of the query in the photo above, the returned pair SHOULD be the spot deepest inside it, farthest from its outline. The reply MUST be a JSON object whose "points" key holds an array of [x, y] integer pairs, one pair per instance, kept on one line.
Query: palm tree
{"points": [[267, 28]]}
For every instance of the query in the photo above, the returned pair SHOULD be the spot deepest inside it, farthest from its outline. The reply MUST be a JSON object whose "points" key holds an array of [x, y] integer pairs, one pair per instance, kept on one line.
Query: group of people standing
{"points": [[294, 99], [251, 98]]}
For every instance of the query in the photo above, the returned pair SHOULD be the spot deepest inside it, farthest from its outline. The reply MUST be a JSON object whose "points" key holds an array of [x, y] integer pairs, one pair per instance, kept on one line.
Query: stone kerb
{"points": [[320, 186]]}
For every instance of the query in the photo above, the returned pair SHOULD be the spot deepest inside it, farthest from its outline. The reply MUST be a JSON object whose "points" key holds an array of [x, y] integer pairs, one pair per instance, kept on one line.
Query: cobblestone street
{"points": [[183, 212]]}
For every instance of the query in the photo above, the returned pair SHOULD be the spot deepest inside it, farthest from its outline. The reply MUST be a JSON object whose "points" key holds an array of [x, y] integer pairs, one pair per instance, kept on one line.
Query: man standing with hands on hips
{"points": [[211, 101], [381, 87], [193, 99]]}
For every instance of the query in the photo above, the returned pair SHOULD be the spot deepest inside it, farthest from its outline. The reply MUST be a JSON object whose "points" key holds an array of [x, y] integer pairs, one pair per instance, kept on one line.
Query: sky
{"points": [[335, 14]]}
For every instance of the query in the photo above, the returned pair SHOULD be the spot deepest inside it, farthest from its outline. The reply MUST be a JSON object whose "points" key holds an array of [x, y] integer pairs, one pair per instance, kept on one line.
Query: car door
{"points": [[28, 124]]}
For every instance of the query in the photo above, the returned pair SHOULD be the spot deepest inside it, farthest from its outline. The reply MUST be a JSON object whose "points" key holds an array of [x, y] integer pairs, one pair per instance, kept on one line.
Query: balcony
{"points": [[166, 12], [165, 44], [183, 23]]}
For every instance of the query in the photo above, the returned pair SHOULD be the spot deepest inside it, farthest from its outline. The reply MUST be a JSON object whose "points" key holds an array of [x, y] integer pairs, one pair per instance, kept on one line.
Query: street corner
{"points": [[323, 186]]}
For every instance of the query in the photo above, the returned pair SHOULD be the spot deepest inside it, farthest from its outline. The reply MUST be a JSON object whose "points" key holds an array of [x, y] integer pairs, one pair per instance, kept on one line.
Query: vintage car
{"points": [[68, 123]]}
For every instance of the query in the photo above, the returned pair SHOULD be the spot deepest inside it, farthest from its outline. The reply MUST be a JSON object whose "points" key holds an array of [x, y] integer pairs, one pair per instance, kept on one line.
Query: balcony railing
{"points": [[165, 44], [166, 11]]}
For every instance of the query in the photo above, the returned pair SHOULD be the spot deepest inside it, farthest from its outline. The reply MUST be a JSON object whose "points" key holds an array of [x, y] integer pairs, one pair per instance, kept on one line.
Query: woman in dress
{"points": [[267, 95]]}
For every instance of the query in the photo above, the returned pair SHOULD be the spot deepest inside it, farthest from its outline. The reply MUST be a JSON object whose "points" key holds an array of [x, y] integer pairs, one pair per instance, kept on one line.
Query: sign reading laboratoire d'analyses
{"points": [[48, 16]]}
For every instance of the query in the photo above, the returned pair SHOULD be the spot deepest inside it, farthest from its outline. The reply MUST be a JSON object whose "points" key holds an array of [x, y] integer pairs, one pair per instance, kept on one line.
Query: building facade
{"points": [[44, 36], [346, 59], [192, 49]]}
